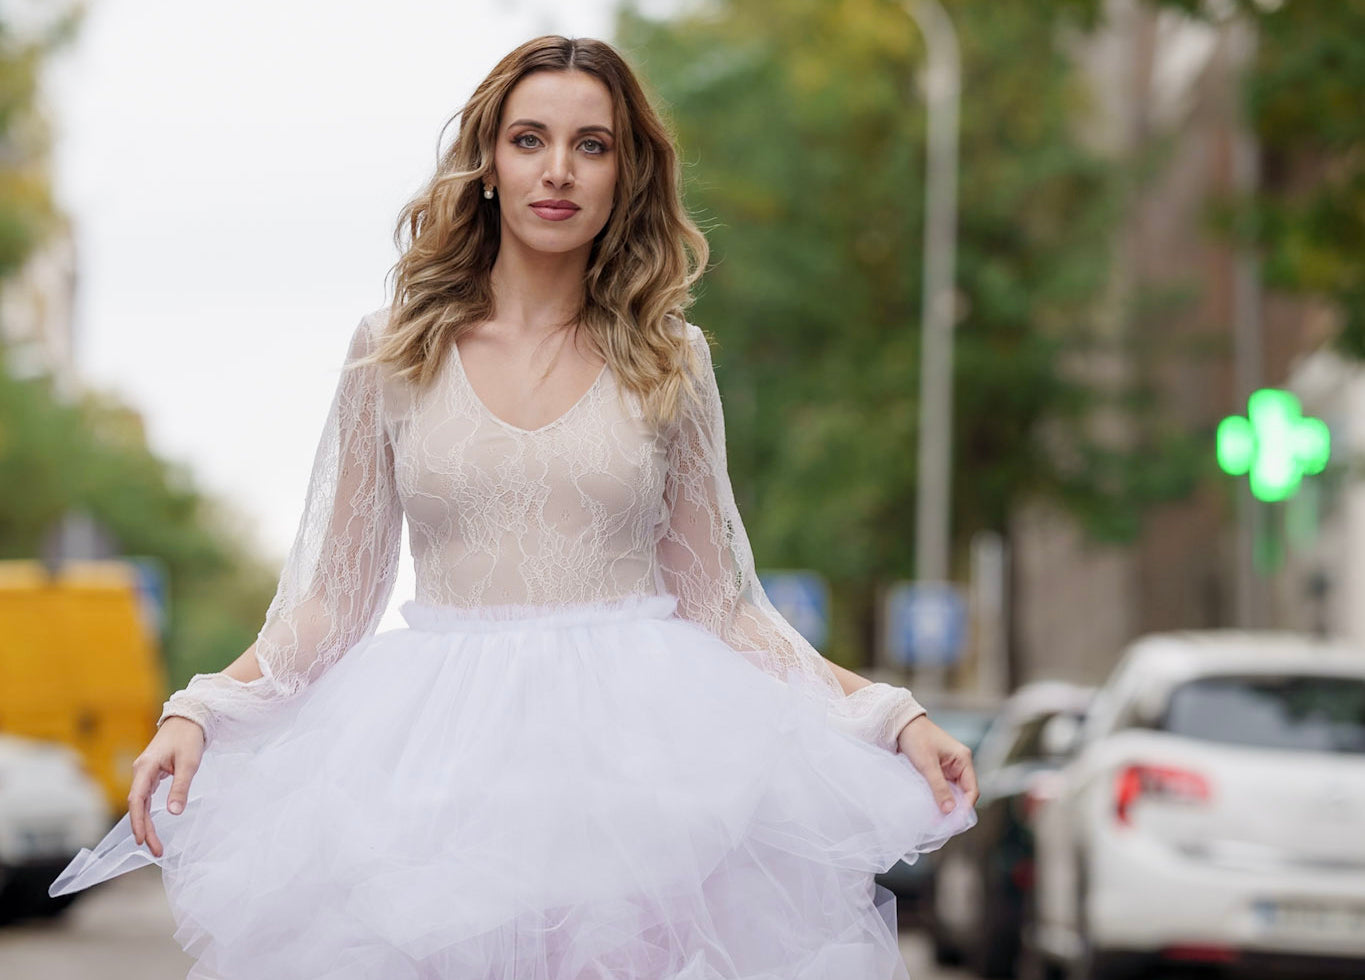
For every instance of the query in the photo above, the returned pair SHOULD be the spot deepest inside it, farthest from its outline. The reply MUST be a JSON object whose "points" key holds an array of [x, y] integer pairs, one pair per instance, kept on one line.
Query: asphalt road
{"points": [[122, 930], [119, 931]]}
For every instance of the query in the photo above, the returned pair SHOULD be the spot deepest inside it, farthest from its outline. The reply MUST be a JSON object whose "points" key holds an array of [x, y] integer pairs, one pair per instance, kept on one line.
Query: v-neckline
{"points": [[469, 386]]}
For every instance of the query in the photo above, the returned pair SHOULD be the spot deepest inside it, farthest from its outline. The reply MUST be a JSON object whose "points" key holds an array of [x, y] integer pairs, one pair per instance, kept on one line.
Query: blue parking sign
{"points": [[926, 623], [151, 586], [803, 600]]}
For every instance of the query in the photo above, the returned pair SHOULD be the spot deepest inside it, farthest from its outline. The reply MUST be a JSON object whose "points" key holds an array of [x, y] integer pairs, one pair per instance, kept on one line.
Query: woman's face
{"points": [[555, 162]]}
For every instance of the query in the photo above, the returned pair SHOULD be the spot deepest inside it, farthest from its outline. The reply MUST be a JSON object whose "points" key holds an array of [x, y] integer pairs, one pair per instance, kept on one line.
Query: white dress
{"points": [[596, 750]]}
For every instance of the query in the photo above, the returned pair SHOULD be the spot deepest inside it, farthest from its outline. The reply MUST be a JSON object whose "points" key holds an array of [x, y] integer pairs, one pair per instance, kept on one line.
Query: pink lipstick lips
{"points": [[555, 210]]}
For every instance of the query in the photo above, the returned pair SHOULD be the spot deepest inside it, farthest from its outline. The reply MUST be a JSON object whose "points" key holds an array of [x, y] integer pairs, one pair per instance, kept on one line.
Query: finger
{"points": [[967, 781], [943, 794], [153, 839], [932, 770], [139, 807], [136, 794], [180, 784], [956, 762]]}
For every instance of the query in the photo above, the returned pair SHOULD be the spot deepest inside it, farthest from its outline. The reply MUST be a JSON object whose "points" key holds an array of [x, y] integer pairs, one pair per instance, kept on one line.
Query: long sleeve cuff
{"points": [[210, 699], [876, 713], [181, 705]]}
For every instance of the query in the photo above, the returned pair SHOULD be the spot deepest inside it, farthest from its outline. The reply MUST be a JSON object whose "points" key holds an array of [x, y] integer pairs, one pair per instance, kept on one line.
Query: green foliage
{"points": [[1306, 97], [91, 455], [803, 128], [27, 212], [804, 133], [1304, 94]]}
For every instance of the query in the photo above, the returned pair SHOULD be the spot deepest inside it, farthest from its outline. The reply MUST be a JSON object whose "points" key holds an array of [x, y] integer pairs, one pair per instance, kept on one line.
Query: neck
{"points": [[538, 291]]}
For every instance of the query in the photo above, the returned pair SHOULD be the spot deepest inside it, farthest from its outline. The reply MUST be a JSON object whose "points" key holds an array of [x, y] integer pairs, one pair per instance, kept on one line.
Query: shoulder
{"points": [[684, 329], [698, 361], [377, 318], [366, 334], [373, 324], [700, 395], [692, 332]]}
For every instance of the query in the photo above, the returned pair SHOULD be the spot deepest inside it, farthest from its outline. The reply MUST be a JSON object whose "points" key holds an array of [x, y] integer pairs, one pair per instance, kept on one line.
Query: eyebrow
{"points": [[581, 129]]}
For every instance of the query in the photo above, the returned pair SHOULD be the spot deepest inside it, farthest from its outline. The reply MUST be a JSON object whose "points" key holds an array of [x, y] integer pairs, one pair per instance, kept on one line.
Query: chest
{"points": [[597, 469]]}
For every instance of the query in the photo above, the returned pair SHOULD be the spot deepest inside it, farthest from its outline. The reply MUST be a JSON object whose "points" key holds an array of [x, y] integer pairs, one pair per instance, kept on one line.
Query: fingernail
{"points": [[948, 806], [175, 806]]}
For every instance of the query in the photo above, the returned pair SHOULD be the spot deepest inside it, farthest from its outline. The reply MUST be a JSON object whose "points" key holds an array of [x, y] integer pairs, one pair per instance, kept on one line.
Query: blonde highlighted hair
{"points": [[641, 267]]}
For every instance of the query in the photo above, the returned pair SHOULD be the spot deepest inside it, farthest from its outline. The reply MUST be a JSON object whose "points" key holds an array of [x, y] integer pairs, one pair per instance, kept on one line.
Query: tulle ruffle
{"points": [[512, 793]]}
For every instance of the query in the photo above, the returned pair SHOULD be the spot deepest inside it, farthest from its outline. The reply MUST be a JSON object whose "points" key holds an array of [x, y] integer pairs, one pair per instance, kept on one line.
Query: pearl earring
{"points": [[488, 193]]}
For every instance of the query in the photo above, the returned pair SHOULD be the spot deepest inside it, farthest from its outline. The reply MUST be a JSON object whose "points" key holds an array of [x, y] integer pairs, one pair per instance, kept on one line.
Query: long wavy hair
{"points": [[641, 267]]}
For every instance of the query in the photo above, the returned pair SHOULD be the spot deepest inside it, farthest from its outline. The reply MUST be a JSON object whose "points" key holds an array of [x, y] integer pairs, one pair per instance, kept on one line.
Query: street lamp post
{"points": [[1246, 316], [943, 78]]}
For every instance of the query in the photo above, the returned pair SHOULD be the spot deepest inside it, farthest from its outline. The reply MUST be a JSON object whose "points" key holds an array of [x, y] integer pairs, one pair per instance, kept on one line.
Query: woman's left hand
{"points": [[941, 759]]}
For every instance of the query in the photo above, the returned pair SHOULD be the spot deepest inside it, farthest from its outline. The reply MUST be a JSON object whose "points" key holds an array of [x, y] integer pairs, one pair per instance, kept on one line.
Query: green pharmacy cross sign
{"points": [[1275, 445]]}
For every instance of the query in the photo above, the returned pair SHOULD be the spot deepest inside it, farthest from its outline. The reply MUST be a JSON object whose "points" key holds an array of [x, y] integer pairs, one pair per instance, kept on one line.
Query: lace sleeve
{"points": [[706, 561], [340, 570]]}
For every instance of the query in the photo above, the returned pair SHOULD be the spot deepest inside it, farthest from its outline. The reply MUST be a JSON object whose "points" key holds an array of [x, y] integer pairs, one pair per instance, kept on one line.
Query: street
{"points": [[122, 931]]}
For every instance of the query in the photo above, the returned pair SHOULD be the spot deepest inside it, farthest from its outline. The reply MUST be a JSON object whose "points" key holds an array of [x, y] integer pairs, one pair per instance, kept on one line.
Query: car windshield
{"points": [[1306, 713], [1028, 743]]}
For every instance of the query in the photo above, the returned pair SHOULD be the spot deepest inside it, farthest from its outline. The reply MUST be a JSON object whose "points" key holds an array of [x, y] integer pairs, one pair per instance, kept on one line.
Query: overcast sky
{"points": [[234, 172]]}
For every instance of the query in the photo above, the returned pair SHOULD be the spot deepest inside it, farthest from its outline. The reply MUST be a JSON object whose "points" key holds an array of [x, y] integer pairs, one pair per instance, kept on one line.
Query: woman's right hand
{"points": [[175, 750]]}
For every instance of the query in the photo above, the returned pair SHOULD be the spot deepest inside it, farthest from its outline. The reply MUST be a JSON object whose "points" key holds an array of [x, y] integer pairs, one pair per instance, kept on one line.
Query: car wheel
{"points": [[1095, 964], [944, 949], [1032, 964], [945, 953], [995, 945], [995, 932], [24, 895], [1092, 963], [46, 907], [11, 901]]}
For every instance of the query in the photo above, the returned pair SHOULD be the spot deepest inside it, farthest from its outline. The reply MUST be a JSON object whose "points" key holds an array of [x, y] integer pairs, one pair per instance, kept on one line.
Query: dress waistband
{"points": [[450, 619]]}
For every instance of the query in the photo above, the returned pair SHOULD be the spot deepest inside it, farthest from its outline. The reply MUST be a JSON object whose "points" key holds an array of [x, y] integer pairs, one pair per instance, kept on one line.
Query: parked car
{"points": [[984, 877], [966, 718], [50, 807], [1214, 812]]}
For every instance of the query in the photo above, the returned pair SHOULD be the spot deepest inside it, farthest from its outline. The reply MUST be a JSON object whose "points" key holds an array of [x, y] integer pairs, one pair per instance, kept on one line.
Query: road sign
{"points": [[925, 623], [152, 587], [802, 598]]}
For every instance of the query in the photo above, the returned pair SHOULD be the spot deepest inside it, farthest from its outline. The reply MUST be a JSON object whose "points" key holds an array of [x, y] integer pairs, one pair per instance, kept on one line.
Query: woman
{"points": [[597, 750]]}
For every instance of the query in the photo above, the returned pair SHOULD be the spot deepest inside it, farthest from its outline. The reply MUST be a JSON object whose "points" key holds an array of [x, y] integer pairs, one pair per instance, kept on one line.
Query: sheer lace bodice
{"points": [[568, 512], [597, 505]]}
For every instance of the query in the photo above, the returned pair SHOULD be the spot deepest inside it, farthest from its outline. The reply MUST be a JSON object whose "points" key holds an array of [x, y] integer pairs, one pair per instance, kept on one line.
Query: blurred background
{"points": [[1041, 333]]}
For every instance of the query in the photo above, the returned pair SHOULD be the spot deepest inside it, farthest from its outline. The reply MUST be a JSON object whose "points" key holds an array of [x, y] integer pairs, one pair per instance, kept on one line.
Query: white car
{"points": [[1213, 812], [984, 877], [50, 808]]}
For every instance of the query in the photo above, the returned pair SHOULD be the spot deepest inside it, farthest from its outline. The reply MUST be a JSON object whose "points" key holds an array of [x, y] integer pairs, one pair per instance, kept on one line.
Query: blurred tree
{"points": [[27, 211], [803, 131], [1304, 94], [92, 455]]}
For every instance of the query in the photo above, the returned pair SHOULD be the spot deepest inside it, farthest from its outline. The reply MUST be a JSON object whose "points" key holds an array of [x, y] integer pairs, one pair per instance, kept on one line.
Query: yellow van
{"points": [[80, 664]]}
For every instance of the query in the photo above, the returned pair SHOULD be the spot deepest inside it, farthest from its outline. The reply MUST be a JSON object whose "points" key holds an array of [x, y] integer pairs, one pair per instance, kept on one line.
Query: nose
{"points": [[558, 169]]}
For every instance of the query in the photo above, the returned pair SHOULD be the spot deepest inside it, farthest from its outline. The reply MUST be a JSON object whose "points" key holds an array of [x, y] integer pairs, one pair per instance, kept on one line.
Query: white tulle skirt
{"points": [[523, 793]]}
